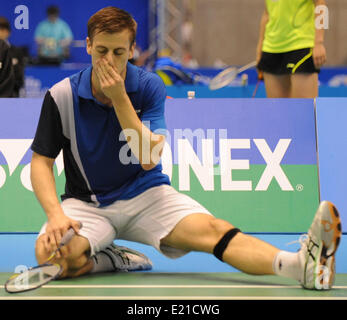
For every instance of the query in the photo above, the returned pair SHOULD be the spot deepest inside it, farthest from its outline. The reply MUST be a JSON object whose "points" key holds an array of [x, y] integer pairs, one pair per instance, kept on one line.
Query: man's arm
{"points": [[146, 146], [319, 51], [43, 183], [46, 146]]}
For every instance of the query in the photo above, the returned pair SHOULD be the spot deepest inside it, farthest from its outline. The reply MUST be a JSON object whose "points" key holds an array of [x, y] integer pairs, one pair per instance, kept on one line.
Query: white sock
{"points": [[287, 264], [102, 263]]}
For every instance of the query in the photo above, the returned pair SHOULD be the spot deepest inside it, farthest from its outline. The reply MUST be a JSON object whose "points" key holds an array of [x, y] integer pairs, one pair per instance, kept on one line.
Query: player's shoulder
{"points": [[150, 81], [63, 91], [150, 76], [59, 96], [62, 87], [68, 84]]}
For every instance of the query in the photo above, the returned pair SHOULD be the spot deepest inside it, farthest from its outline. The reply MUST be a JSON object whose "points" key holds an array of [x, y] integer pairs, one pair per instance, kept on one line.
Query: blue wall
{"points": [[332, 152], [76, 13]]}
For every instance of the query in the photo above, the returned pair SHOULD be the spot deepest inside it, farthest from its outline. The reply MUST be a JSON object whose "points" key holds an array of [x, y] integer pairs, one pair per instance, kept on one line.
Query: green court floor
{"points": [[171, 286]]}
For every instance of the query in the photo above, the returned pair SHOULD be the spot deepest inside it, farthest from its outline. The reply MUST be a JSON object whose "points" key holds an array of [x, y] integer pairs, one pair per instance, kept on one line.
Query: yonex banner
{"points": [[250, 161], [261, 153], [19, 209]]}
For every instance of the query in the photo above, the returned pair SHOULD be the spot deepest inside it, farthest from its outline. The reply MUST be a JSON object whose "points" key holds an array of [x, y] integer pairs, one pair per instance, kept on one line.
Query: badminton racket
{"points": [[36, 277], [228, 75]]}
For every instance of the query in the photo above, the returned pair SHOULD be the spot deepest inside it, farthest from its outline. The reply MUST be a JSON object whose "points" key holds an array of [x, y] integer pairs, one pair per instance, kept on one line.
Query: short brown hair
{"points": [[52, 11], [112, 20], [4, 24]]}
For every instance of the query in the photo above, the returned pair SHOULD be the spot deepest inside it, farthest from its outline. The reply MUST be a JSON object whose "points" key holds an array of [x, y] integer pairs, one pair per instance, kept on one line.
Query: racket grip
{"points": [[260, 75], [68, 236]]}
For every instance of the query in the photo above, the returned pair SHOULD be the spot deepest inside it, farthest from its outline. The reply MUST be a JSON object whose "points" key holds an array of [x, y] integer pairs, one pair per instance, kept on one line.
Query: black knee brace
{"points": [[223, 243]]}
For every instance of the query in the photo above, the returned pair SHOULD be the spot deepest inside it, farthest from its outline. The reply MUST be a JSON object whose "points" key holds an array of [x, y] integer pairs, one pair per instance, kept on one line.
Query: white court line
{"points": [[170, 298], [178, 287], [121, 286], [125, 286]]}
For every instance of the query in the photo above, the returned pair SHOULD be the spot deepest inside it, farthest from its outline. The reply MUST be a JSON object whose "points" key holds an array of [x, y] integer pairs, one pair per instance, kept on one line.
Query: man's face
{"points": [[114, 47], [52, 17], [4, 34]]}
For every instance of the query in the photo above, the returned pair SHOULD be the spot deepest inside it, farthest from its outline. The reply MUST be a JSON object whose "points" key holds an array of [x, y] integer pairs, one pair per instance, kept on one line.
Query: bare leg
{"points": [[277, 86], [201, 232], [304, 85], [250, 255]]}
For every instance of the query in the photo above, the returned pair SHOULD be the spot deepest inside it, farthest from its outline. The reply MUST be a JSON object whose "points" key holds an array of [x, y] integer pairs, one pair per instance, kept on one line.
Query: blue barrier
{"points": [[243, 92], [332, 152], [271, 198]]}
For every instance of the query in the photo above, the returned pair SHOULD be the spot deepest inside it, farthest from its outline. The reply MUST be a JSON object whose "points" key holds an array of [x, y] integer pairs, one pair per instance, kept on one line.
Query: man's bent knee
{"points": [[225, 233], [41, 252], [76, 255], [220, 226], [221, 246]]}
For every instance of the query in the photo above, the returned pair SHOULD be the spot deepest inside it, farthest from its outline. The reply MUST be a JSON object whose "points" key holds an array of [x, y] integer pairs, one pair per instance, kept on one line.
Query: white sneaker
{"points": [[126, 259], [318, 250]]}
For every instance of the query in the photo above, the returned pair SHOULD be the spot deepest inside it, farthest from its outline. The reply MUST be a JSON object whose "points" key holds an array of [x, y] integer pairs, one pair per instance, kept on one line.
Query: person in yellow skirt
{"points": [[291, 49]]}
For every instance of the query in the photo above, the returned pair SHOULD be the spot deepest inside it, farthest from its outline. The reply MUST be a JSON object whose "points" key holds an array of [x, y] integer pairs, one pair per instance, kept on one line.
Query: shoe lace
{"points": [[303, 240], [123, 256]]}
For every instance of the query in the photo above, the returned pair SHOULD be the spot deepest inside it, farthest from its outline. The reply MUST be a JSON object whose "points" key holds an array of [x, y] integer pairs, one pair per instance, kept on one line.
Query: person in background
{"points": [[16, 56], [291, 49], [53, 37], [7, 80]]}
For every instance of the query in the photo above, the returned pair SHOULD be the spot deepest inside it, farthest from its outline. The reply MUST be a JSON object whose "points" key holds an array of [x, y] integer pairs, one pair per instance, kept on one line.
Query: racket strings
{"points": [[228, 75]]}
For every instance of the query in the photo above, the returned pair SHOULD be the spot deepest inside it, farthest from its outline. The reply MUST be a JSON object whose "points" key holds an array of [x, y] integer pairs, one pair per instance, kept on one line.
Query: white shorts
{"points": [[147, 218]]}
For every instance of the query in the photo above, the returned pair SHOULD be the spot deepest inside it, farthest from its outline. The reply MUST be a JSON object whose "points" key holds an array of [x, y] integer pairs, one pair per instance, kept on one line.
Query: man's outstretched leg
{"points": [[312, 266]]}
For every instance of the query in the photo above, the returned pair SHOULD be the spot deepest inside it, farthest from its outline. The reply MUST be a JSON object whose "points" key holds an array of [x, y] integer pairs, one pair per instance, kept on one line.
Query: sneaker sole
{"points": [[330, 240]]}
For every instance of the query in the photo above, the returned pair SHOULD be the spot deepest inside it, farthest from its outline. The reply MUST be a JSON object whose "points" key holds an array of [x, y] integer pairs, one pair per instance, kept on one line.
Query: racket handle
{"points": [[247, 66], [260, 75], [68, 236]]}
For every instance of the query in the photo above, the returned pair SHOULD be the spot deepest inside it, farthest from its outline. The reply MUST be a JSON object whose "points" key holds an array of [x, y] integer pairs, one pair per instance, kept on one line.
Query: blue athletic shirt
{"points": [[89, 134]]}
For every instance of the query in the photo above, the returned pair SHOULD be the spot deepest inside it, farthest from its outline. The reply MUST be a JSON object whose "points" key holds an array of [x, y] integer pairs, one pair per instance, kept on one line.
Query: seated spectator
{"points": [[17, 56], [7, 79], [53, 37]]}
